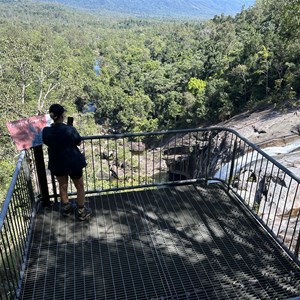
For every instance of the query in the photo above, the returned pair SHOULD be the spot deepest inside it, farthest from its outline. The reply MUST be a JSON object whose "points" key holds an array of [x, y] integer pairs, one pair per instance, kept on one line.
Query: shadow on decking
{"points": [[184, 242]]}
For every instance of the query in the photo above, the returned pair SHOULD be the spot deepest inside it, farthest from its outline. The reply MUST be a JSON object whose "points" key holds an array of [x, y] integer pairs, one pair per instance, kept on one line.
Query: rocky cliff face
{"points": [[275, 132], [275, 196]]}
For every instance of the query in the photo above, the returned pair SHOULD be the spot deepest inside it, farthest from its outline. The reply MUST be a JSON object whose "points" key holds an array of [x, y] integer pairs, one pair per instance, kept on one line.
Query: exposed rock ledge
{"points": [[278, 134], [274, 131]]}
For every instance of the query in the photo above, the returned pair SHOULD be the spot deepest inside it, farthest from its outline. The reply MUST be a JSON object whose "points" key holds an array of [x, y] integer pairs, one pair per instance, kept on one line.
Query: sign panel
{"points": [[27, 133]]}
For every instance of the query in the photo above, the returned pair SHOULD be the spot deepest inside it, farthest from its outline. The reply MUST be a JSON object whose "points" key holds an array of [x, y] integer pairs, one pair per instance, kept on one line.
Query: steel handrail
{"points": [[217, 128], [199, 160]]}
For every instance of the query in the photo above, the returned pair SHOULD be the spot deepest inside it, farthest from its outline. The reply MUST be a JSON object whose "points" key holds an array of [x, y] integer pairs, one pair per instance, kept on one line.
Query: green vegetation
{"points": [[154, 74]]}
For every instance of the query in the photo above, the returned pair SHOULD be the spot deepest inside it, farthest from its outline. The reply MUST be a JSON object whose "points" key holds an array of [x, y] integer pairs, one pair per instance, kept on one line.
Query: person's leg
{"points": [[63, 188], [63, 191], [79, 185], [83, 211]]}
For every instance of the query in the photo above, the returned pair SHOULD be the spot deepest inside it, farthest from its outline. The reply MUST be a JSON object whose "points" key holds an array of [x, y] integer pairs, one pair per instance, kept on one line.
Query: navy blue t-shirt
{"points": [[64, 156]]}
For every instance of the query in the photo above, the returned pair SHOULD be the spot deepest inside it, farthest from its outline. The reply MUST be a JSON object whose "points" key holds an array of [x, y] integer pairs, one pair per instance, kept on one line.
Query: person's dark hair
{"points": [[55, 111]]}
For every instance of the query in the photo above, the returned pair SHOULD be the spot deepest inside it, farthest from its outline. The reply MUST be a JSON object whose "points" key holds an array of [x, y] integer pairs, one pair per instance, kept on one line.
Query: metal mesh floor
{"points": [[184, 242]]}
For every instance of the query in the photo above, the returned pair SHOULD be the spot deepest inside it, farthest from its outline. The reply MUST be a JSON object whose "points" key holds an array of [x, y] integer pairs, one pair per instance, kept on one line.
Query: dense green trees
{"points": [[152, 68], [153, 74]]}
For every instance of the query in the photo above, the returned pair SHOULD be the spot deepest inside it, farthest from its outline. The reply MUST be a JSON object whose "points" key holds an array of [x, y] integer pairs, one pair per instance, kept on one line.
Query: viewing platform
{"points": [[190, 214]]}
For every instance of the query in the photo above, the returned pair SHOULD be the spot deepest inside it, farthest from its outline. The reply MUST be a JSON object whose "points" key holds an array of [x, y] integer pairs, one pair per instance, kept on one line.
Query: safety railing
{"points": [[269, 191], [130, 161], [15, 224]]}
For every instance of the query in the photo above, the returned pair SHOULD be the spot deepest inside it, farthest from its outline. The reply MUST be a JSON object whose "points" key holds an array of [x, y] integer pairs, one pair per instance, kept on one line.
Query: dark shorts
{"points": [[73, 175]]}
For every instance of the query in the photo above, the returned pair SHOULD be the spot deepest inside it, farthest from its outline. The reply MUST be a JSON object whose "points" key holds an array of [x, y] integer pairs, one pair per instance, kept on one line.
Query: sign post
{"points": [[41, 173]]}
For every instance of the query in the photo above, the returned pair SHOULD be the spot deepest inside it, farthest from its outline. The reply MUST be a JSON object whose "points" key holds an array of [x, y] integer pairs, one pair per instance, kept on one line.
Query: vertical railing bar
{"points": [[285, 202], [184, 165], [11, 189], [131, 162], [21, 225], [189, 169], [271, 200], [174, 155], [208, 156], [53, 184], [153, 164], [233, 168], [17, 226], [298, 216], [146, 165], [32, 176], [115, 160], [15, 223], [83, 150], [101, 163], [108, 162], [124, 162], [248, 155], [167, 152], [186, 156], [7, 271], [10, 264], [25, 195], [245, 181], [297, 246], [256, 177], [139, 162], [41, 174], [284, 207], [266, 185], [177, 145], [292, 206], [200, 155], [10, 223], [160, 159], [232, 163], [237, 166], [93, 163], [216, 147], [277, 205], [257, 192]]}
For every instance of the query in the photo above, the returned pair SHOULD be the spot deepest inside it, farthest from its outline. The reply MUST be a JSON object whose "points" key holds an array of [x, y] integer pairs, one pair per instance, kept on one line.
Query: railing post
{"points": [[297, 248], [208, 158], [41, 173], [232, 163]]}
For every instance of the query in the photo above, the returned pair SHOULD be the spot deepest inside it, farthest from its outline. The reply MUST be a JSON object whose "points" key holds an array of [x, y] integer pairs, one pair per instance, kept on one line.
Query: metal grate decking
{"points": [[184, 242]]}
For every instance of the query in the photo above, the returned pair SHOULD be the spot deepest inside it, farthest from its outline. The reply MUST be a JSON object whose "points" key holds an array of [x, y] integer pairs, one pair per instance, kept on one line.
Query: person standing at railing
{"points": [[65, 160]]}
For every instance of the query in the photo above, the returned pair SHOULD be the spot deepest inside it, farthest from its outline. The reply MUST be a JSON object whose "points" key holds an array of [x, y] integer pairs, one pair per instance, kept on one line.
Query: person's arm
{"points": [[44, 136], [77, 137]]}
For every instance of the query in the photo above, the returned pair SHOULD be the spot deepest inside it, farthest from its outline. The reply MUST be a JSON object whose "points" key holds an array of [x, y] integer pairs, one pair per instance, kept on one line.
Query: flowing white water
{"points": [[247, 158], [273, 151]]}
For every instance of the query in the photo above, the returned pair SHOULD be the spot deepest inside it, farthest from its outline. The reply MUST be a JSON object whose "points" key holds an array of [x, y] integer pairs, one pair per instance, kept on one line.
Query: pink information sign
{"points": [[27, 133]]}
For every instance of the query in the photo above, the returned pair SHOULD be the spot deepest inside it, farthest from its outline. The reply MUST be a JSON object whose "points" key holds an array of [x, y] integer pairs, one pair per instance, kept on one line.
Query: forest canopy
{"points": [[144, 74]]}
